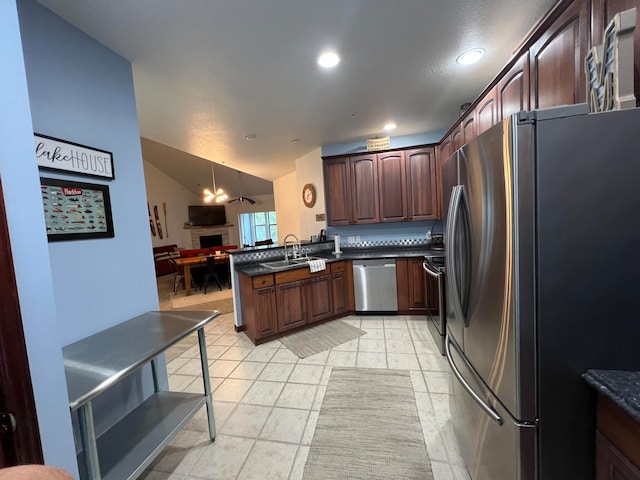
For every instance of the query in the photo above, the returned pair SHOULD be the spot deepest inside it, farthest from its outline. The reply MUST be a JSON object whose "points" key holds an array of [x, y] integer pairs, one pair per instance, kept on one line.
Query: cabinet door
{"points": [[337, 191], [392, 185], [469, 127], [364, 201], [457, 137], [487, 111], [318, 291], [290, 303], [557, 73], [445, 149], [416, 285], [266, 318], [339, 293], [611, 464], [422, 195], [513, 89]]}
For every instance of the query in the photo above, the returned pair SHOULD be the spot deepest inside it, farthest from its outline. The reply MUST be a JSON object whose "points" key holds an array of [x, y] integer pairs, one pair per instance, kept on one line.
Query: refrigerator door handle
{"points": [[486, 408], [450, 252]]}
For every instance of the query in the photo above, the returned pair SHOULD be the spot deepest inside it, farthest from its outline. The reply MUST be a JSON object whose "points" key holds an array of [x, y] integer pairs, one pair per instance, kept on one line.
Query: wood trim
{"points": [[16, 392]]}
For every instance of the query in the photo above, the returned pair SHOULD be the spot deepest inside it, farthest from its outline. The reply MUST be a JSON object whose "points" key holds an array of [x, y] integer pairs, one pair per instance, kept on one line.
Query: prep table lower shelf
{"points": [[98, 362], [130, 446]]}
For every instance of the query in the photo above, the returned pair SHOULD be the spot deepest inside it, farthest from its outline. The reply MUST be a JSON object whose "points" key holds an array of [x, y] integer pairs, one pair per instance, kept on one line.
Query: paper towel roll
{"points": [[336, 241]]}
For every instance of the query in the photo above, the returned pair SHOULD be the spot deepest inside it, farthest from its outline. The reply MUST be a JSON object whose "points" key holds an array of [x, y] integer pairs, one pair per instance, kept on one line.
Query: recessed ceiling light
{"points": [[390, 126], [470, 56], [250, 136], [328, 60]]}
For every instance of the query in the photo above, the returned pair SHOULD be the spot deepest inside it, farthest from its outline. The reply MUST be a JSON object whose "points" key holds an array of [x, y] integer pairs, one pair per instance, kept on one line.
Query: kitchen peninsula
{"points": [[288, 298]]}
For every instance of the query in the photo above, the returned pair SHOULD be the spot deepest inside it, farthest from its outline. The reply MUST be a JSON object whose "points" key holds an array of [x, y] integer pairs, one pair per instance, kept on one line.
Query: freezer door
{"points": [[493, 445]]}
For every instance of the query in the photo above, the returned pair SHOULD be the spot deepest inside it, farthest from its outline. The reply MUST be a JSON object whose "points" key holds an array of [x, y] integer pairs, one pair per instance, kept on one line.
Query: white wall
{"points": [[285, 192], [30, 252], [309, 170], [162, 188]]}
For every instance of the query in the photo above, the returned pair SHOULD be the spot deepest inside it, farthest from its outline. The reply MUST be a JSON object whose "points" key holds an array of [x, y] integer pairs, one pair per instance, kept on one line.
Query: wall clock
{"points": [[309, 195]]}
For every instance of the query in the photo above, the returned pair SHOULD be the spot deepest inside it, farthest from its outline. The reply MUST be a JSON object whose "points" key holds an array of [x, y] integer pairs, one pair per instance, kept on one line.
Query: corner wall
{"points": [[309, 170], [29, 249], [287, 210]]}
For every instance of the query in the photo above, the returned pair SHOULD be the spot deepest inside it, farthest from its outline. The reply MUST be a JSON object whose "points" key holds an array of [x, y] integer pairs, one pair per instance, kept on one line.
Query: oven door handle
{"points": [[426, 268]]}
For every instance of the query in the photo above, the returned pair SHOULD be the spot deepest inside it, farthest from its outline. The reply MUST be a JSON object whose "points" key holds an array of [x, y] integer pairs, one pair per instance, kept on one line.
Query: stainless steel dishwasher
{"points": [[375, 285]]}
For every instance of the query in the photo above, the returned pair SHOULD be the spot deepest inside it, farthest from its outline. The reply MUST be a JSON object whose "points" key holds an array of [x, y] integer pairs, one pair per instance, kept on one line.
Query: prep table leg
{"points": [[207, 384], [154, 374], [88, 438]]}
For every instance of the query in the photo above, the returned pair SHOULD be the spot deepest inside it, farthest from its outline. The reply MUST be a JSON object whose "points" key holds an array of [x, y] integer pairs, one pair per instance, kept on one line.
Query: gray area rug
{"points": [[368, 428], [320, 338]]}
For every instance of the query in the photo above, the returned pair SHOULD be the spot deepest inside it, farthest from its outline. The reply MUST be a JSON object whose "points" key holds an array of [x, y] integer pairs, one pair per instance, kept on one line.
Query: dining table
{"points": [[187, 263]]}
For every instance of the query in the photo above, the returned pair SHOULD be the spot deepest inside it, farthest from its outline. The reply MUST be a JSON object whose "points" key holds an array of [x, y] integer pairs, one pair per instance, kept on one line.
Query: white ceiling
{"points": [[209, 72]]}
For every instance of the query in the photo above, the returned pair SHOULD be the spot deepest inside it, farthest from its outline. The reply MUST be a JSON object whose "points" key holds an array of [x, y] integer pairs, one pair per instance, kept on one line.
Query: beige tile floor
{"points": [[266, 400]]}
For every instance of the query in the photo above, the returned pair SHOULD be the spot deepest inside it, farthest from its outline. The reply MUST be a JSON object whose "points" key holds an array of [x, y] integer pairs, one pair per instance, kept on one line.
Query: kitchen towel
{"points": [[317, 265], [336, 241]]}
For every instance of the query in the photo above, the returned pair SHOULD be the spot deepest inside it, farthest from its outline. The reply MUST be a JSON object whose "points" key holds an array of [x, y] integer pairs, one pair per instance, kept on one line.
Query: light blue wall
{"points": [[77, 90], [385, 231], [402, 141], [30, 253]]}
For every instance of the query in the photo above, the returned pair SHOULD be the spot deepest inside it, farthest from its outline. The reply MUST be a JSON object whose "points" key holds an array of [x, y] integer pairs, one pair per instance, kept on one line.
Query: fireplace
{"points": [[207, 241]]}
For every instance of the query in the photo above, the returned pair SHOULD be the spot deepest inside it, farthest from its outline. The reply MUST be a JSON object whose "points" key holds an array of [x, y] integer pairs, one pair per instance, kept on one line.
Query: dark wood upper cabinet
{"points": [[392, 186], [422, 190], [513, 88], [487, 111], [469, 127], [364, 175], [337, 190], [457, 138], [557, 74]]}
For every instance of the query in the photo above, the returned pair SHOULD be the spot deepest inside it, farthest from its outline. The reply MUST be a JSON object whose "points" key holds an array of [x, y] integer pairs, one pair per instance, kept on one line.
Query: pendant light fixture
{"points": [[217, 195]]}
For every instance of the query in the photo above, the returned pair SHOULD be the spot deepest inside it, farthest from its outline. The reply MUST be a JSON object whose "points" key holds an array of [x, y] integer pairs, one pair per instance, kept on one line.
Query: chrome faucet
{"points": [[295, 248]]}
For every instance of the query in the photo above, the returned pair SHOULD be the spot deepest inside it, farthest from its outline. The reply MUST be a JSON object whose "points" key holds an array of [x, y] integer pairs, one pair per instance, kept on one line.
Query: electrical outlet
{"points": [[357, 238], [350, 240]]}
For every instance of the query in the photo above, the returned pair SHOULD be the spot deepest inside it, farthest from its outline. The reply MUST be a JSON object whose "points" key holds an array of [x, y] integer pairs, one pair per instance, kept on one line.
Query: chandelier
{"points": [[217, 195]]}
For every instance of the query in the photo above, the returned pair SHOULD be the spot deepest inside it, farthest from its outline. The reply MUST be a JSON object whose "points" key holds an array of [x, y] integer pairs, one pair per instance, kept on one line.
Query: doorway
{"points": [[19, 432]]}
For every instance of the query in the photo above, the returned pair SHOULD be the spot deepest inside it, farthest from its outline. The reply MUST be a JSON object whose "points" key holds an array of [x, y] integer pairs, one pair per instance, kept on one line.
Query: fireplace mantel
{"points": [[197, 232]]}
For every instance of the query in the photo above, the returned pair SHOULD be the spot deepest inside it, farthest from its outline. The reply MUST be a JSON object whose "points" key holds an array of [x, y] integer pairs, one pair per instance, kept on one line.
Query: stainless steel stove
{"points": [[434, 278]]}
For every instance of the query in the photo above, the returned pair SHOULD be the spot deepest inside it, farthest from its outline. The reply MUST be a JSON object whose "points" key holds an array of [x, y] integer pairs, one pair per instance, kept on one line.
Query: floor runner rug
{"points": [[368, 429], [320, 338]]}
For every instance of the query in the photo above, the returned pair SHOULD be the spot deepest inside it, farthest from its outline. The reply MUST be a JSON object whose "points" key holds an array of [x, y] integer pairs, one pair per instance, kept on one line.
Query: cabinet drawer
{"points": [[263, 281], [292, 275], [338, 267]]}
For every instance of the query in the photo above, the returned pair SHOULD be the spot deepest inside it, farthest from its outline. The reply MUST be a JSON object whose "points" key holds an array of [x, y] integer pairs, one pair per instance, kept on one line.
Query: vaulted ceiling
{"points": [[209, 73]]}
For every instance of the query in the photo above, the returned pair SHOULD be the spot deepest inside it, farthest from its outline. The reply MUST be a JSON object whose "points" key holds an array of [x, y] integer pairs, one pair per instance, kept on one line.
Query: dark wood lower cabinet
{"points": [[291, 305], [410, 284], [617, 440], [319, 293], [274, 304]]}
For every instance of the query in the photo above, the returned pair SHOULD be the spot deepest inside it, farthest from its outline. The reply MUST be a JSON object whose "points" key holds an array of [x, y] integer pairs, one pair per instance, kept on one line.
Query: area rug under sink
{"points": [[368, 429], [320, 338]]}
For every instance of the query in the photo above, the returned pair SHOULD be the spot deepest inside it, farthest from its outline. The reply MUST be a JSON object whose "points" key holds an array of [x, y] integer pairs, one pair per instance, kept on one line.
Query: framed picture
{"points": [[76, 210], [55, 154]]}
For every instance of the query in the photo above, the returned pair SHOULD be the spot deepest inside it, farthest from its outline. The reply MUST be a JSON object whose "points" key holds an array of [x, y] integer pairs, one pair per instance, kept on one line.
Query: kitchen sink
{"points": [[282, 264]]}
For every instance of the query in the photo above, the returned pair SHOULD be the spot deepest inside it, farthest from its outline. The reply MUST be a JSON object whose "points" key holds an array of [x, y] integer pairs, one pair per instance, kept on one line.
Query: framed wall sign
{"points": [[55, 154], [75, 210]]}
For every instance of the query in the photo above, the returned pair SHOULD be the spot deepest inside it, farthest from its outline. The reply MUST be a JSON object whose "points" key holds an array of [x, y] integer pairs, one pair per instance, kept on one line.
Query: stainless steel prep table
{"points": [[95, 363]]}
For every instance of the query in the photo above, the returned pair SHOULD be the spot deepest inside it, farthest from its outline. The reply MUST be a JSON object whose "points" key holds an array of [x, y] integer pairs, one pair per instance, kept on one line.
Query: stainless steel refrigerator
{"points": [[542, 247]]}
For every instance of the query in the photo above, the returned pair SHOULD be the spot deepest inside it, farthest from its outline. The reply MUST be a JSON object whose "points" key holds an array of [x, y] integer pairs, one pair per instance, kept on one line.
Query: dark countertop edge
{"points": [[254, 268], [622, 387]]}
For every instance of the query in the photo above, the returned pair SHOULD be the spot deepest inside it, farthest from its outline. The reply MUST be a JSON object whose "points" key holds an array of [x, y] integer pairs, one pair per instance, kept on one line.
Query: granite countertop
{"points": [[623, 388], [253, 269]]}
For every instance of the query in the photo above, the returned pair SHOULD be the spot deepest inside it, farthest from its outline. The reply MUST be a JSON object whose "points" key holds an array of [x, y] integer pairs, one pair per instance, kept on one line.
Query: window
{"points": [[258, 226]]}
